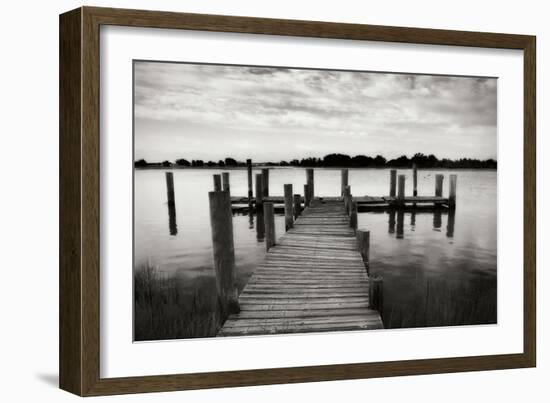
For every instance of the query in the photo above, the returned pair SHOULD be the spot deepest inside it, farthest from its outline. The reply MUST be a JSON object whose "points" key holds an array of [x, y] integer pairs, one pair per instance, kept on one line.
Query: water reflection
{"points": [[172, 224], [396, 221]]}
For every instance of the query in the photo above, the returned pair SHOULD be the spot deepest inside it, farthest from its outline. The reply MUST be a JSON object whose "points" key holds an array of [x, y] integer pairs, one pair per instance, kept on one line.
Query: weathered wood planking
{"points": [[312, 280]]}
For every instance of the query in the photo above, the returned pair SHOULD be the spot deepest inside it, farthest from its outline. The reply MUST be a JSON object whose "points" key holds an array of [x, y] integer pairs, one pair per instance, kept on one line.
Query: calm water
{"points": [[438, 269]]}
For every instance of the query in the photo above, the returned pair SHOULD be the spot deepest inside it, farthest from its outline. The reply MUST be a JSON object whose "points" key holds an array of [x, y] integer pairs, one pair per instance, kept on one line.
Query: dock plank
{"points": [[312, 280]]}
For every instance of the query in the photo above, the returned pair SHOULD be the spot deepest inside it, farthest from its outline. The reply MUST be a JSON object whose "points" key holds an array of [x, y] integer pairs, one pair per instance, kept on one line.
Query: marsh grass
{"points": [[443, 303], [165, 309]]}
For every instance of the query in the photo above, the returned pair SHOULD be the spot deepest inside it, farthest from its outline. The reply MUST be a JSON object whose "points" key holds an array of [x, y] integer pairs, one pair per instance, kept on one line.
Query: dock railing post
{"points": [[393, 182], [376, 293], [401, 189], [353, 215], [259, 192], [415, 181], [452, 191], [289, 221], [439, 185], [170, 188], [297, 206], [217, 182], [221, 222], [310, 183], [269, 221], [265, 182], [347, 199], [225, 182], [363, 244], [306, 196], [345, 178], [249, 177]]}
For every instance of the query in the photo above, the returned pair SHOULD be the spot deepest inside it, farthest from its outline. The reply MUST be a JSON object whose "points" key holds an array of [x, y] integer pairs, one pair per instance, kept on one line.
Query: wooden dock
{"points": [[312, 280]]}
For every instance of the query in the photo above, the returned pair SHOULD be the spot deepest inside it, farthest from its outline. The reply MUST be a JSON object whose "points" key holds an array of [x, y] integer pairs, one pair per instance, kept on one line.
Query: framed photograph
{"points": [[249, 201]]}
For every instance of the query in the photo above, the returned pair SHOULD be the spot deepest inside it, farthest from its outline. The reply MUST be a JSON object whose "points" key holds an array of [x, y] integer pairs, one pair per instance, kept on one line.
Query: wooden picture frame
{"points": [[79, 347]]}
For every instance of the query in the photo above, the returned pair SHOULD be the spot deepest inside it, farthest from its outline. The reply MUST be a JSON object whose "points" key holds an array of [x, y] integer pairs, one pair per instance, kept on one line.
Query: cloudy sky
{"points": [[270, 114]]}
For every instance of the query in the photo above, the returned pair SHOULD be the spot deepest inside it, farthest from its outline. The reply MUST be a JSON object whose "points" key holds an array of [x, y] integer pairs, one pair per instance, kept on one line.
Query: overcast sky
{"points": [[271, 114]]}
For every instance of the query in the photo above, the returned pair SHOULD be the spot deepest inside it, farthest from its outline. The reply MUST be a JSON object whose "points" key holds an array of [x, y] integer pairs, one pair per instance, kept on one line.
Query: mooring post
{"points": [[170, 188], [265, 182], [363, 244], [393, 182], [310, 183], [289, 221], [217, 182], [415, 181], [353, 215], [452, 191], [249, 176], [221, 223], [347, 199], [401, 189], [345, 177], [269, 224], [297, 206], [306, 196], [225, 182], [376, 293], [439, 185], [259, 192]]}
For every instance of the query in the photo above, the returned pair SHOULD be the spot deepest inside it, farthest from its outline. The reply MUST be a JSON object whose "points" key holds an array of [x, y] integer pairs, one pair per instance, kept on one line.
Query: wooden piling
{"points": [[306, 196], [221, 222], [249, 176], [225, 182], [217, 182], [310, 183], [170, 188], [289, 221], [265, 182], [393, 182], [353, 215], [376, 293], [452, 191], [439, 185], [345, 177], [415, 180], [259, 191], [297, 206], [269, 224], [363, 244], [347, 199], [401, 189]]}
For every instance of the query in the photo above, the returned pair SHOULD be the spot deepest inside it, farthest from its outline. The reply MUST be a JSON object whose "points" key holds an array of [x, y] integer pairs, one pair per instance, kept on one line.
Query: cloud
{"points": [[445, 114]]}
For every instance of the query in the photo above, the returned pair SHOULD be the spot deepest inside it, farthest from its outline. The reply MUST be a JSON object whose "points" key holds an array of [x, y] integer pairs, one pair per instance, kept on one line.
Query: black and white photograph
{"points": [[273, 200]]}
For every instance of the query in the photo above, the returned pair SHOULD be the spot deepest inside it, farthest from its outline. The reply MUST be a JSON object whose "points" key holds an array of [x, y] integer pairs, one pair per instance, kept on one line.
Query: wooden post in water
{"points": [[452, 191], [363, 244], [221, 222], [310, 183], [249, 176], [297, 206], [353, 215], [306, 196], [265, 182], [217, 182], [259, 192], [393, 182], [345, 177], [415, 181], [289, 221], [269, 223], [376, 293], [439, 185], [170, 188], [347, 199], [401, 189], [225, 182]]}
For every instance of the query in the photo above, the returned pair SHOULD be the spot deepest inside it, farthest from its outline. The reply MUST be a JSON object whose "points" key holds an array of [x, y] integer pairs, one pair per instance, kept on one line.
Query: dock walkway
{"points": [[312, 280]]}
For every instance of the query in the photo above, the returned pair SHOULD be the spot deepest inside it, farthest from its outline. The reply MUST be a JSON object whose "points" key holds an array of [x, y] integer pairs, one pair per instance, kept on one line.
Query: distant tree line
{"points": [[339, 160]]}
